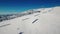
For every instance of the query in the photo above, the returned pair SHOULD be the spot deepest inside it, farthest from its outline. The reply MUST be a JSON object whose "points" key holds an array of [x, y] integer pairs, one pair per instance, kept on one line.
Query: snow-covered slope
{"points": [[45, 22]]}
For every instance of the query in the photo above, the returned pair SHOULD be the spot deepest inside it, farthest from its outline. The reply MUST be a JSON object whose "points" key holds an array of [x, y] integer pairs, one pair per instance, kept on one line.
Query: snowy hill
{"points": [[37, 21]]}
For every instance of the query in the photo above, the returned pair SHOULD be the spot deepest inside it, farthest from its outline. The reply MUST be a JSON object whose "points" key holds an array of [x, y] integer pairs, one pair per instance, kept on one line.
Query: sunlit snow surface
{"points": [[45, 22]]}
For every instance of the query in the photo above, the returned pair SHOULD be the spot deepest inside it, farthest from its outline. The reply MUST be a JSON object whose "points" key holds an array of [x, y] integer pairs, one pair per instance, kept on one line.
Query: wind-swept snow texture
{"points": [[48, 22]]}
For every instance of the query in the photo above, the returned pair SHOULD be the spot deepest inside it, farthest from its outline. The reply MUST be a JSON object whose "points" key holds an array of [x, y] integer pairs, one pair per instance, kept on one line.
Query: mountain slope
{"points": [[45, 22]]}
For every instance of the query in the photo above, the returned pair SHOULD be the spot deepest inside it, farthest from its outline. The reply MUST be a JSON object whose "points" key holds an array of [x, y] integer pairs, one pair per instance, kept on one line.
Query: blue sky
{"points": [[15, 6]]}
